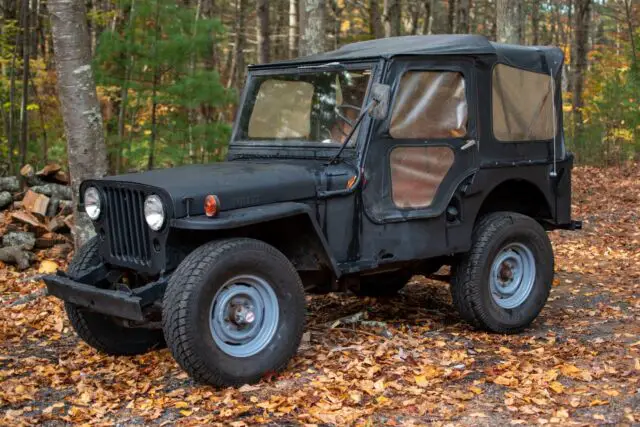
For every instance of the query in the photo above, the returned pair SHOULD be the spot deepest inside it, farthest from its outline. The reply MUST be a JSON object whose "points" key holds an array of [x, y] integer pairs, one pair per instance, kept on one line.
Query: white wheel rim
{"points": [[512, 275]]}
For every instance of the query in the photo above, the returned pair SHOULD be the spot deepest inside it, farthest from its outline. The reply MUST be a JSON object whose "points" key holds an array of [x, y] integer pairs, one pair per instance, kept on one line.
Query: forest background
{"points": [[169, 72]]}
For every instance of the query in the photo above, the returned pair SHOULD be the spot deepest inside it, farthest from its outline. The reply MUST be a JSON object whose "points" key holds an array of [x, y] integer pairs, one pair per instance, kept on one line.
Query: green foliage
{"points": [[610, 131], [159, 55]]}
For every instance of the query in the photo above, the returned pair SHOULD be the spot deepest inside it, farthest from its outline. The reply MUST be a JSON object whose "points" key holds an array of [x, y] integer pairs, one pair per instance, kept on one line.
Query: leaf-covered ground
{"points": [[411, 362]]}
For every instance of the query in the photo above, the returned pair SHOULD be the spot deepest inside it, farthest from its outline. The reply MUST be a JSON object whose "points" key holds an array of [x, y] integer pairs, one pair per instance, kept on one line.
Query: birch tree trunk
{"points": [[312, 27], [293, 28], [79, 102], [509, 21], [263, 31]]}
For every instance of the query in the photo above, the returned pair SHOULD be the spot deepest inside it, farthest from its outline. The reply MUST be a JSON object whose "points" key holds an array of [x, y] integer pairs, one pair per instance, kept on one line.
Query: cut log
{"points": [[10, 183], [17, 205], [5, 199], [54, 190], [16, 255], [35, 203], [19, 238], [62, 177], [54, 207], [29, 175], [60, 251], [68, 220], [66, 207], [50, 169], [28, 218], [56, 223]]}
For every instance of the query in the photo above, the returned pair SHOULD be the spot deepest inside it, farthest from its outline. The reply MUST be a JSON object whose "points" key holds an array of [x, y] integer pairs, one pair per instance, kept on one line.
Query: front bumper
{"points": [[125, 304]]}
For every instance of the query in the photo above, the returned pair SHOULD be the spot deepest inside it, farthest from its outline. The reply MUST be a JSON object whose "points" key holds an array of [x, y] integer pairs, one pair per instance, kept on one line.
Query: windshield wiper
{"points": [[336, 66]]}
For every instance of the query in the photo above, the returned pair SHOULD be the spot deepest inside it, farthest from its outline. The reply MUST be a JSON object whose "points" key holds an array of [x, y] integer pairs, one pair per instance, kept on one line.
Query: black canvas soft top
{"points": [[534, 58]]}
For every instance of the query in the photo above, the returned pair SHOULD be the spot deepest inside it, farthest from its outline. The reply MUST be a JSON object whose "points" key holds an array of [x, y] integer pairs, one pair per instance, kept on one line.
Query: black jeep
{"points": [[354, 169]]}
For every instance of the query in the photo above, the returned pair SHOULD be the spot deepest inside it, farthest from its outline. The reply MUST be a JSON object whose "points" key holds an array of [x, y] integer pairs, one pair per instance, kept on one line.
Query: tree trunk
{"points": [[451, 16], [79, 102], [627, 4], [509, 21], [462, 16], [26, 50], [427, 24], [535, 23], [154, 91], [414, 15], [263, 31], [293, 28], [237, 72], [391, 18], [375, 23], [581, 28], [312, 27]]}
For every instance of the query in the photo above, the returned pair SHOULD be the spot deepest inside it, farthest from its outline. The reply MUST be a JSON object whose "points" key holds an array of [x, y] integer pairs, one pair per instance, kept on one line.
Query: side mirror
{"points": [[380, 94]]}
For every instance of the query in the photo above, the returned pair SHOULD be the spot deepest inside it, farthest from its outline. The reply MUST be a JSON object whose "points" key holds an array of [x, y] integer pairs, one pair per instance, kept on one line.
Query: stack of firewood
{"points": [[36, 215]]}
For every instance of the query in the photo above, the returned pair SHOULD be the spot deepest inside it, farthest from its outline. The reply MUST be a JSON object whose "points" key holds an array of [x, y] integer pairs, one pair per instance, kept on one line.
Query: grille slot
{"points": [[127, 231]]}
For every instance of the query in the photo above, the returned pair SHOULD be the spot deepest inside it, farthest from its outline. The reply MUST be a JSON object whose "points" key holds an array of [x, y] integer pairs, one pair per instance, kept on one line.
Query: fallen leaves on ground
{"points": [[579, 362]]}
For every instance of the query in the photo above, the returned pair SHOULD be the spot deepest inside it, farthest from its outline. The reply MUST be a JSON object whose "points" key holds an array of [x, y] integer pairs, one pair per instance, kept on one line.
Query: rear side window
{"points": [[416, 174], [522, 105], [430, 104]]}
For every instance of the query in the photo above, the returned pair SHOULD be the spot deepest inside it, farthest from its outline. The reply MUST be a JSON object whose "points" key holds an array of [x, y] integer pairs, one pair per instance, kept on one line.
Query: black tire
{"points": [[98, 330], [470, 284], [384, 284], [188, 304]]}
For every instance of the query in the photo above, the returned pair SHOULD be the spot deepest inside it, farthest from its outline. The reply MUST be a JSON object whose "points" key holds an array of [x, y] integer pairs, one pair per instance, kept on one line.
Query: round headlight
{"points": [[154, 212], [92, 202]]}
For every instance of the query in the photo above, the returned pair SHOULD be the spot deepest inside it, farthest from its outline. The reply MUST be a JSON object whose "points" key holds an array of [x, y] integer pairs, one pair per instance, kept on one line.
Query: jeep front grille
{"points": [[127, 229]]}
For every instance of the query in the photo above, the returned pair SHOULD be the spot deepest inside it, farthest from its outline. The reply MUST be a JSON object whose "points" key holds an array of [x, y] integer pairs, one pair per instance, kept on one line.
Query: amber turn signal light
{"points": [[211, 205]]}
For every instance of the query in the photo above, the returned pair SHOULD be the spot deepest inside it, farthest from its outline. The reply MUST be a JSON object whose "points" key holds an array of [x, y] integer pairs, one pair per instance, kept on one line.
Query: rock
{"points": [[16, 255], [10, 183], [24, 239], [5, 199], [58, 191]]}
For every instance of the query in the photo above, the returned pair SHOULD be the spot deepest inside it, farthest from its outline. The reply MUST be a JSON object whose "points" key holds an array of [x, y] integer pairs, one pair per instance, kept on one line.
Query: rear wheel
{"points": [[234, 311], [99, 331], [503, 282]]}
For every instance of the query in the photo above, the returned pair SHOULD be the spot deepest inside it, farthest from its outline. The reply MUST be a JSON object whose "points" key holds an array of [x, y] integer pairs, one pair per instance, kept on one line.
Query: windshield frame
{"points": [[373, 66]]}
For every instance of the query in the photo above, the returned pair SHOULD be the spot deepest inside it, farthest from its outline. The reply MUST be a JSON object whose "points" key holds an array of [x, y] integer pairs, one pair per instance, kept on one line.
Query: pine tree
{"points": [[155, 55]]}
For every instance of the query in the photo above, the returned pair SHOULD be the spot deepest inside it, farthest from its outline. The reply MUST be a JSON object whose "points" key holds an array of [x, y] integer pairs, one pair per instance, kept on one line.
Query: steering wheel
{"points": [[340, 111]]}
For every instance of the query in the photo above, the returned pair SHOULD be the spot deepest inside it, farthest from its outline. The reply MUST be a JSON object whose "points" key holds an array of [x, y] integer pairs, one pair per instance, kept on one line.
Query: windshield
{"points": [[313, 107]]}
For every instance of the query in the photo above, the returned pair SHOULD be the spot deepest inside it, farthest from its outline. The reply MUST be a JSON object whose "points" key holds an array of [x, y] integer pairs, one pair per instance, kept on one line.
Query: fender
{"points": [[243, 217]]}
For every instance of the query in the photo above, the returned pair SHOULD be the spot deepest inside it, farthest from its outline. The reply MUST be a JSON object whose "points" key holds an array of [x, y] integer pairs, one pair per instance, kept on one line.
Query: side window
{"points": [[416, 174], [522, 105], [430, 105]]}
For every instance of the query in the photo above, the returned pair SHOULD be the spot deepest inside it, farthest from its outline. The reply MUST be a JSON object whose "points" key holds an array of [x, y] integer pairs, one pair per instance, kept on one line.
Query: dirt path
{"points": [[580, 362]]}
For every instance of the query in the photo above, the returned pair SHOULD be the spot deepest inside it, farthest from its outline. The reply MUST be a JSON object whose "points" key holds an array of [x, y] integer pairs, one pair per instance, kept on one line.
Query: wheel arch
{"points": [[289, 227], [517, 195]]}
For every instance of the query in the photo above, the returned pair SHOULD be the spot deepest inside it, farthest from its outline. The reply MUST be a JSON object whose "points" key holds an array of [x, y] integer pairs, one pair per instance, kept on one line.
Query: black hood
{"points": [[237, 184]]}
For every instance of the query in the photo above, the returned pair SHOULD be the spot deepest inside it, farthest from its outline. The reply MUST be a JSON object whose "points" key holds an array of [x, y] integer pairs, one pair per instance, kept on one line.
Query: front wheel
{"points": [[233, 311], [98, 330], [503, 282]]}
